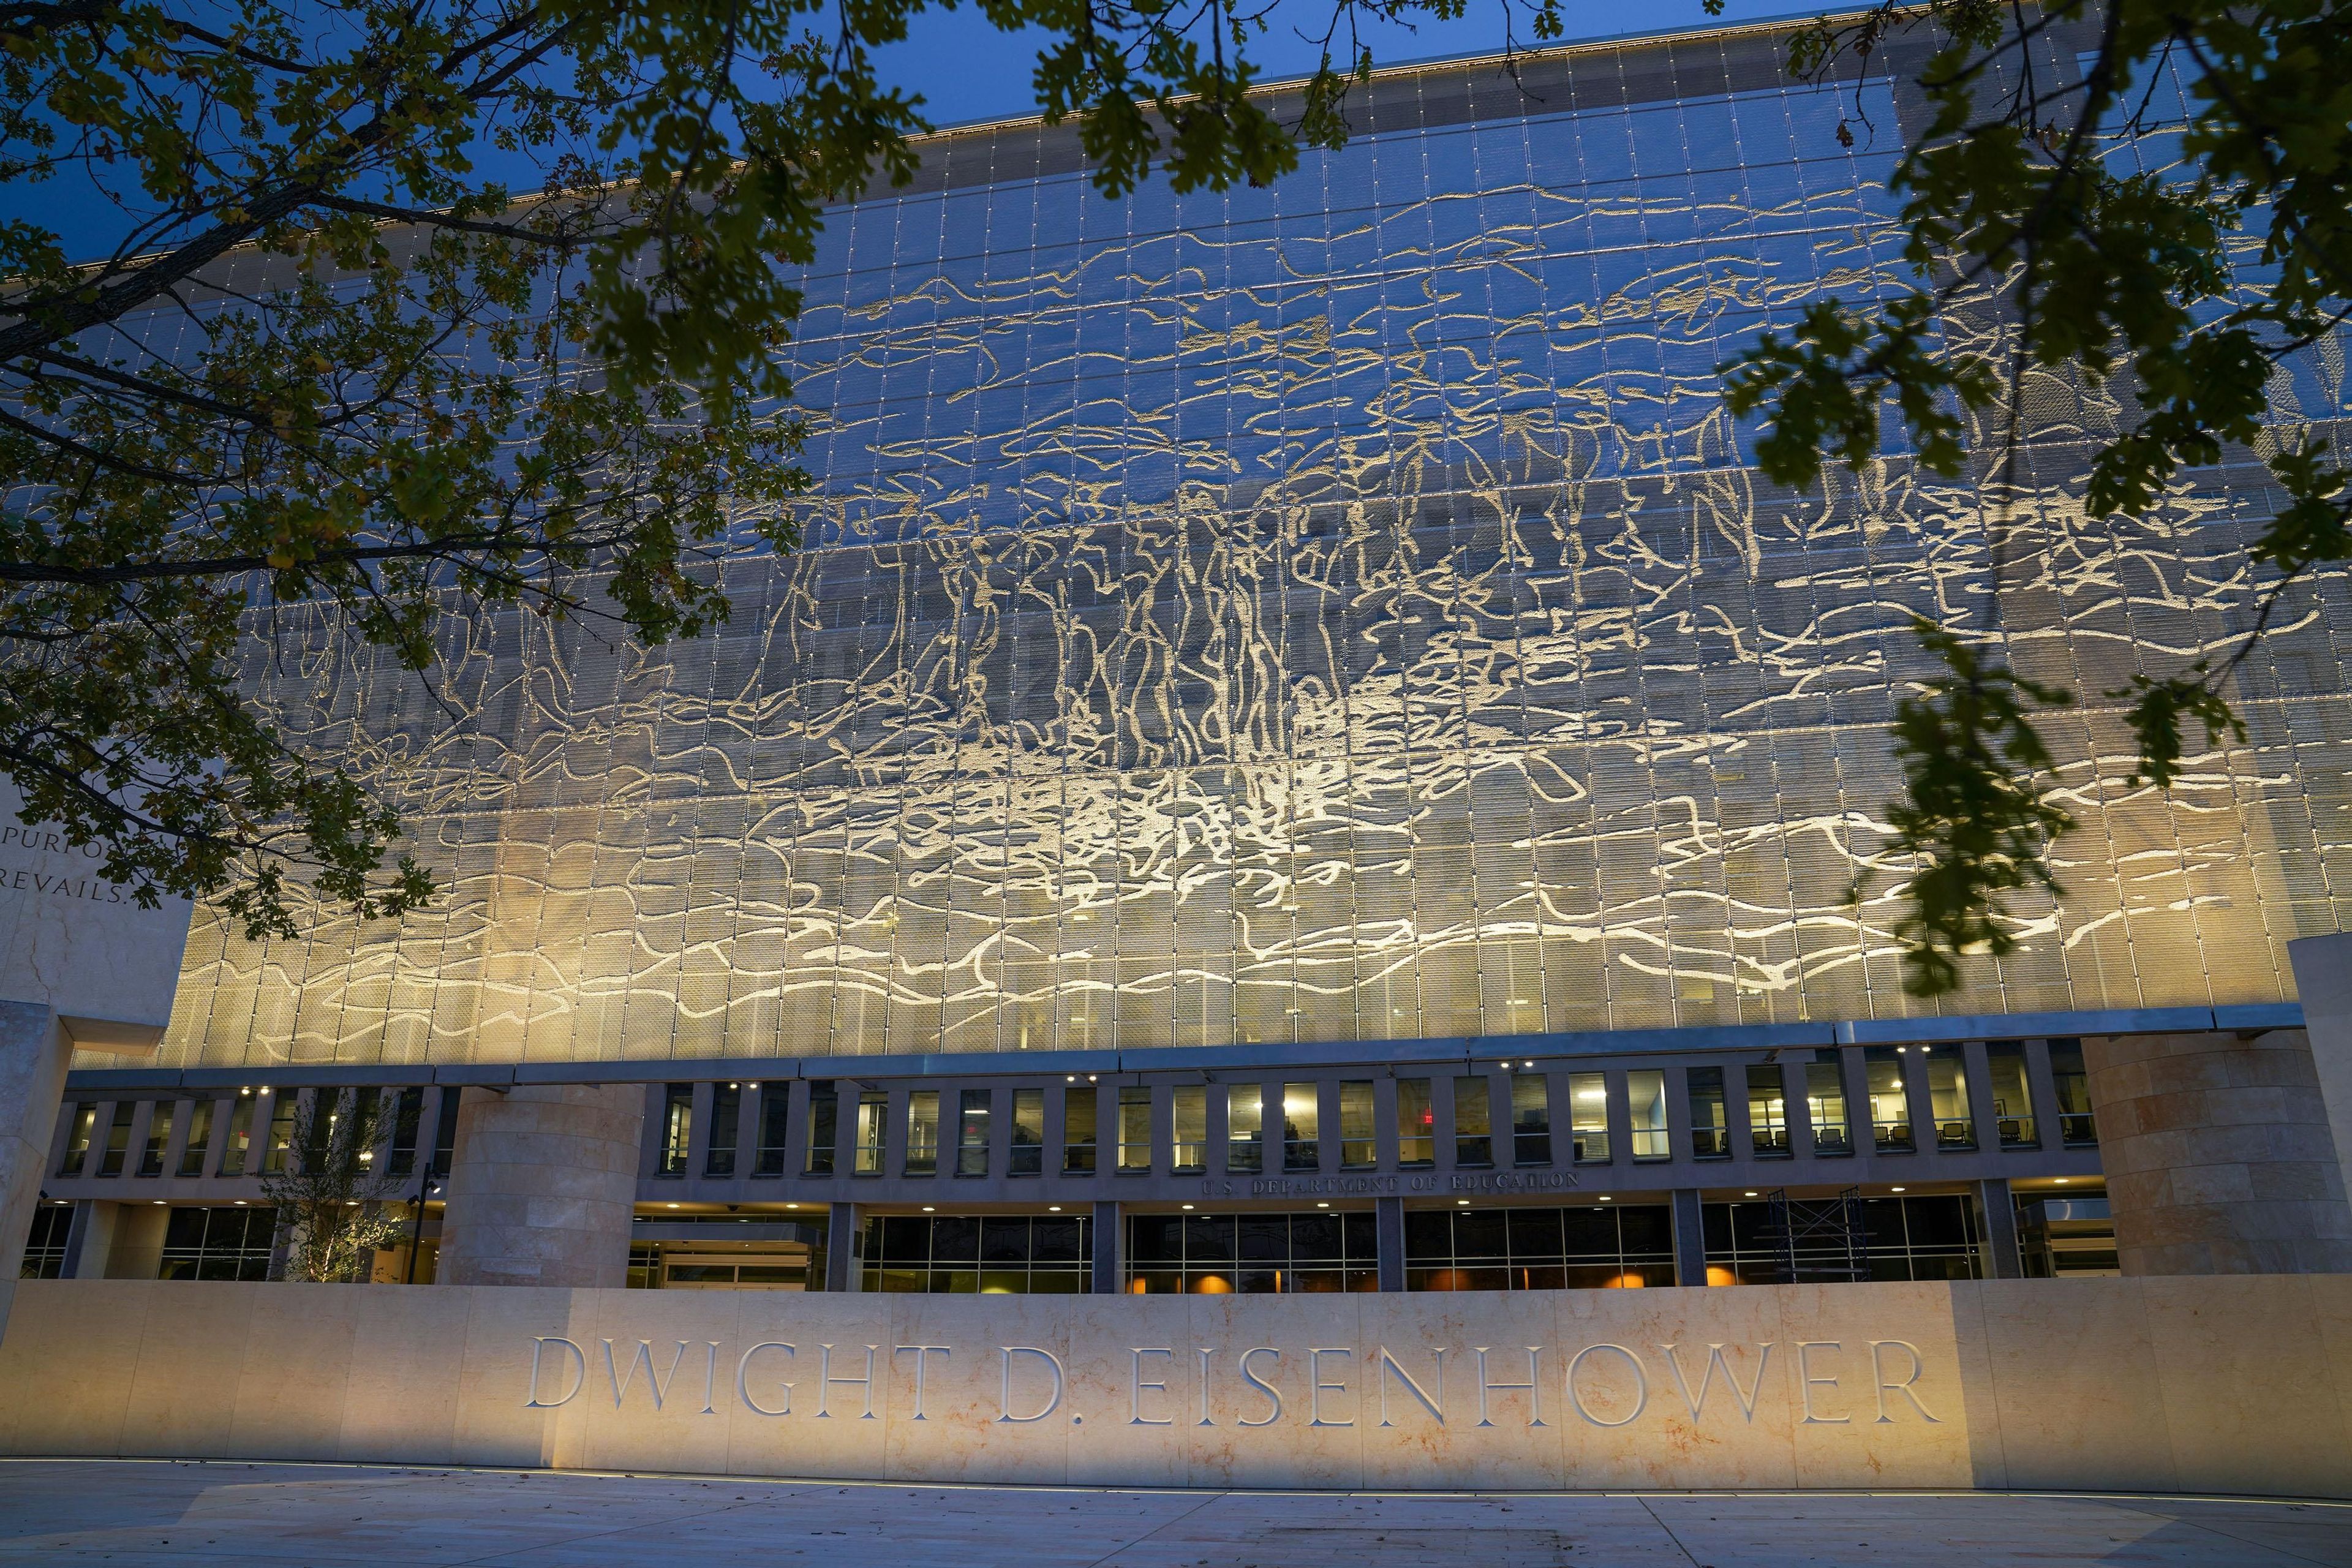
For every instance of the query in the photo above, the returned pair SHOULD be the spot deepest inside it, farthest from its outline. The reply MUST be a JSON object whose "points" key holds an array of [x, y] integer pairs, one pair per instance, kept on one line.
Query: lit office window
{"points": [[1947, 1099], [445, 1130], [117, 1139], [1191, 1116], [2012, 1100], [1359, 1147], [1028, 1147], [991, 1255], [678, 1128], [870, 1133], [922, 1133], [824, 1127], [1588, 1114], [1710, 1131], [1530, 1120], [726, 1126], [1317, 1252], [280, 1146], [1474, 1125], [1135, 1130], [1603, 1247], [1302, 1120], [775, 1124], [1645, 1092], [407, 1128], [200, 1137], [1078, 1130], [1245, 1127], [78, 1139], [2075, 1127], [971, 1134], [240, 1146], [1825, 1105], [1768, 1112], [1889, 1097], [1416, 1125]]}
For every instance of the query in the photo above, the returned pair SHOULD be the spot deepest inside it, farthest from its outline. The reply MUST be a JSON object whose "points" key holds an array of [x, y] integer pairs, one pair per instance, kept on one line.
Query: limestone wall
{"points": [[2236, 1384]]}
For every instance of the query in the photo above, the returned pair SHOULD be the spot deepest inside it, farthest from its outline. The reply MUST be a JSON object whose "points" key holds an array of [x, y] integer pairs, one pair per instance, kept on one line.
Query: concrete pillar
{"points": [[543, 1186], [1999, 1212], [32, 1053], [2218, 1154], [1690, 1238], [2323, 979], [1109, 1243], [1387, 1231], [844, 1270]]}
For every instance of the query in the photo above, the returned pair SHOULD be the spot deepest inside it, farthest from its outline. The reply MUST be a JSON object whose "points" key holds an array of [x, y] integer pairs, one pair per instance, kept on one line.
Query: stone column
{"points": [[2218, 1154], [1387, 1231], [33, 1054], [543, 1186], [1999, 1209], [1690, 1237], [2323, 979], [844, 1270], [1109, 1241]]}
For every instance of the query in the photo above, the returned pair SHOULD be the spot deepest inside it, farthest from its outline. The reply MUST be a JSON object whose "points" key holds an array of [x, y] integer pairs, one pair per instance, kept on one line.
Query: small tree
{"points": [[330, 1192]]}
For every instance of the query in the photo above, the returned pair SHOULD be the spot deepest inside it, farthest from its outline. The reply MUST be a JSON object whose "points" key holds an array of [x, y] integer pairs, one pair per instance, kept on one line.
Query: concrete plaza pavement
{"points": [[159, 1511]]}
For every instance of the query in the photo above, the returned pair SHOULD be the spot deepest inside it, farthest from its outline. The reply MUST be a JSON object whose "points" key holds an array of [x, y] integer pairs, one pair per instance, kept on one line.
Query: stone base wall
{"points": [[543, 1186], [2225, 1384], [2218, 1155]]}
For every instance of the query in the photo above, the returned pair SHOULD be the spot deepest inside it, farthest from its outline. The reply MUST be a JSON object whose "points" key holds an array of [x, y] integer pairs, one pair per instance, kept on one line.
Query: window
{"points": [[1416, 1125], [444, 1131], [922, 1132], [1360, 1148], [971, 1134], [219, 1243], [45, 1249], [1825, 1105], [2075, 1128], [1317, 1252], [1947, 1099], [1768, 1112], [823, 1128], [1710, 1134], [1028, 1132], [1604, 1246], [2012, 1102], [1645, 1089], [1245, 1127], [78, 1137], [1530, 1120], [280, 1146], [1302, 1118], [678, 1128], [1836, 1239], [1078, 1132], [1890, 1104], [779, 1270], [726, 1127], [775, 1123], [117, 1139], [871, 1130], [1135, 1130], [407, 1127], [240, 1133], [200, 1137], [1190, 1115], [1588, 1114], [1474, 1125], [988, 1254]]}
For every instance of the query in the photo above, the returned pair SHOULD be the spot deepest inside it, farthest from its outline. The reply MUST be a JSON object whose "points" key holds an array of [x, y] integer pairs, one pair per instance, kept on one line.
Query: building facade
{"points": [[1301, 754]]}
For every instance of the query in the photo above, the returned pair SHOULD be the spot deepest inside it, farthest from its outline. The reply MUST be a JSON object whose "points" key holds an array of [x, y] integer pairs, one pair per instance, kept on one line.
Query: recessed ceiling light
{"points": [[1462, 1202], [927, 1208], [750, 1086], [791, 1205], [1606, 1199], [1747, 1195], [1053, 1208], [1317, 1205], [673, 1205], [1188, 1206], [1898, 1189], [2062, 1180]]}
